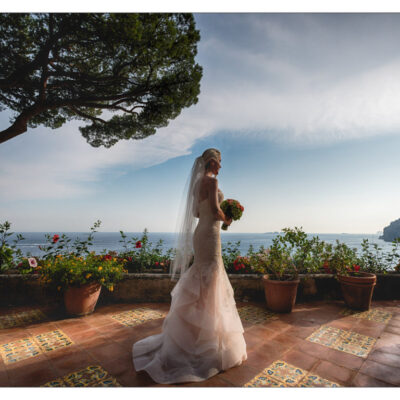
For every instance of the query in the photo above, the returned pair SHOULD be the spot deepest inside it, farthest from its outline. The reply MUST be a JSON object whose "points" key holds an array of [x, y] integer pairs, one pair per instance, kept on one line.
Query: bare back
{"points": [[207, 184]]}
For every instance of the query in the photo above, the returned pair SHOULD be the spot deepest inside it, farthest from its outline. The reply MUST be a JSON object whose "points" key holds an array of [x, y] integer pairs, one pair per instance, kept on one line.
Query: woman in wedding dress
{"points": [[202, 334]]}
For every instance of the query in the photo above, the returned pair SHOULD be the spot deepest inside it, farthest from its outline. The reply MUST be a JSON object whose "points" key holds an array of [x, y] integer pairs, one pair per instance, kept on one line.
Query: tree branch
{"points": [[20, 124], [20, 74], [84, 115], [92, 101]]}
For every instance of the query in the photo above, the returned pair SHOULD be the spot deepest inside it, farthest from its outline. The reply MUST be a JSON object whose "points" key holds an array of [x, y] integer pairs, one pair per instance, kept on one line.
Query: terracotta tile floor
{"points": [[318, 344]]}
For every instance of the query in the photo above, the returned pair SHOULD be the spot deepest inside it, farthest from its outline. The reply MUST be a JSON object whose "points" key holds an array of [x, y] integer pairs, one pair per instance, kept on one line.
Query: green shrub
{"points": [[63, 272], [10, 256]]}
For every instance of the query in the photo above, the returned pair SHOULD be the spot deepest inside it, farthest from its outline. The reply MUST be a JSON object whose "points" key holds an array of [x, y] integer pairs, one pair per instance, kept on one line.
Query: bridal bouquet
{"points": [[232, 209]]}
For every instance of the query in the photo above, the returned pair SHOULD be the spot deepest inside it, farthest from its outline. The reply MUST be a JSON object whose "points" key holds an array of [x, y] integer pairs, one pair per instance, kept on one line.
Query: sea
{"points": [[110, 241]]}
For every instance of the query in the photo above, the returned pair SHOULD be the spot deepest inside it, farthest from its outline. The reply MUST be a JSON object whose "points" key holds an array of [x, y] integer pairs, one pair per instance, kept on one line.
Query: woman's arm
{"points": [[214, 203]]}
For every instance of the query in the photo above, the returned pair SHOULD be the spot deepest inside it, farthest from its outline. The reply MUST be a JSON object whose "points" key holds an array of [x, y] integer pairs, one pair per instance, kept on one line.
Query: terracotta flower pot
{"points": [[82, 300], [280, 295], [357, 290]]}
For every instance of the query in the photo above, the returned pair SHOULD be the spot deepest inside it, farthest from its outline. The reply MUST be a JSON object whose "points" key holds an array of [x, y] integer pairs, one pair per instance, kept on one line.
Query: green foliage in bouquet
{"points": [[232, 209], [63, 272]]}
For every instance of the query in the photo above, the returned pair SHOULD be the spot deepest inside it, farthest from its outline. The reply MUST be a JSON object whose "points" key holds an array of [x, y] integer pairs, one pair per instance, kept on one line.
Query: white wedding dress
{"points": [[202, 333]]}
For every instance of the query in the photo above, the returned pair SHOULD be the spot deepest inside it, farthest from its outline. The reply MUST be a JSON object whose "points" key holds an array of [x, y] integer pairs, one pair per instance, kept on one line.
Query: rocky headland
{"points": [[391, 232]]}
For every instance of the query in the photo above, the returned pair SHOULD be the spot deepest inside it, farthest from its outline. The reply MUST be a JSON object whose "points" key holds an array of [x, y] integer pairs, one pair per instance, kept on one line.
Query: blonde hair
{"points": [[210, 154]]}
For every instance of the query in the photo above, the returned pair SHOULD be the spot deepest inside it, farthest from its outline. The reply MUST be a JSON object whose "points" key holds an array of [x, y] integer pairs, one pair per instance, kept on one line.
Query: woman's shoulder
{"points": [[210, 178], [210, 181]]}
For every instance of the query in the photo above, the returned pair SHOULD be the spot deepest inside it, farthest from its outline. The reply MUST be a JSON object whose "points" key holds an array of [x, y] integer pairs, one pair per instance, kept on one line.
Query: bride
{"points": [[202, 333]]}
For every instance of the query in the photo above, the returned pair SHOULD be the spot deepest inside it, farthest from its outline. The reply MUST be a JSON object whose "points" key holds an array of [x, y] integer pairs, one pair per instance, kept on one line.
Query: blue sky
{"points": [[305, 109]]}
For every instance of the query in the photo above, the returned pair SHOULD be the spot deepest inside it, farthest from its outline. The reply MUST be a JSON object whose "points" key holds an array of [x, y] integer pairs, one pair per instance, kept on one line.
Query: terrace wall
{"points": [[137, 288]]}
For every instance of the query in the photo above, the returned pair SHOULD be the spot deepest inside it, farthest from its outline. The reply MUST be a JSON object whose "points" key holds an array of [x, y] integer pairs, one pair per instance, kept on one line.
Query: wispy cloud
{"points": [[301, 79], [313, 79]]}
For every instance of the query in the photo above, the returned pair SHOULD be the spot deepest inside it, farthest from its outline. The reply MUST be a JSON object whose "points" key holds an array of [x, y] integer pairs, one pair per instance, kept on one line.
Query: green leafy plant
{"points": [[393, 258], [9, 254], [343, 260], [276, 261], [307, 253], [372, 260], [73, 271], [28, 266], [57, 245], [142, 256], [230, 252], [242, 265]]}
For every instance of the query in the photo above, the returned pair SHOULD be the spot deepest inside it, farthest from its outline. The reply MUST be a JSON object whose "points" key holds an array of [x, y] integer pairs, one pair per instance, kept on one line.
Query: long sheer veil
{"points": [[187, 221]]}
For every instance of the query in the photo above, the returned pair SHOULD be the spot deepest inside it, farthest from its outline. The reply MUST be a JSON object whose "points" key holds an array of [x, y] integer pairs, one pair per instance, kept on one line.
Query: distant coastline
{"points": [[109, 241]]}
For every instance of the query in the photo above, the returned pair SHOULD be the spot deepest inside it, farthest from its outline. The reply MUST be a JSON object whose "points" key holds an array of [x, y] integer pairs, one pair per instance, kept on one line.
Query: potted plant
{"points": [[357, 284], [280, 277], [142, 256], [307, 255], [81, 278]]}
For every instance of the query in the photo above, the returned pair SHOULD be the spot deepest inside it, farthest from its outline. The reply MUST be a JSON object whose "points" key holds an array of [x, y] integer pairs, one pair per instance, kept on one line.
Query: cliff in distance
{"points": [[391, 232]]}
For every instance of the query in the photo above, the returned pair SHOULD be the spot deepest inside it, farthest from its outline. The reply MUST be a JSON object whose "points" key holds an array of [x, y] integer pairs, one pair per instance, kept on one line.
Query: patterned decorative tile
{"points": [[53, 340], [91, 376], [22, 318], [56, 383], [33, 346], [285, 373], [343, 340], [256, 315], [138, 316], [262, 380], [282, 374], [374, 314], [312, 380], [19, 350]]}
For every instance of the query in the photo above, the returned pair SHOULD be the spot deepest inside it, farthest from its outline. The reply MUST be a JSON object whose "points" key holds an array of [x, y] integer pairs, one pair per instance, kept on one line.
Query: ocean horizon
{"points": [[110, 241]]}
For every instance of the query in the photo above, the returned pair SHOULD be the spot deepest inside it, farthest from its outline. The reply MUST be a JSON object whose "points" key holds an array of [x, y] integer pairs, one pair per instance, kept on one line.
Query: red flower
{"points": [[19, 265], [107, 257], [129, 259], [236, 267], [356, 267], [138, 244], [242, 266], [56, 238], [326, 267], [156, 263]]}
